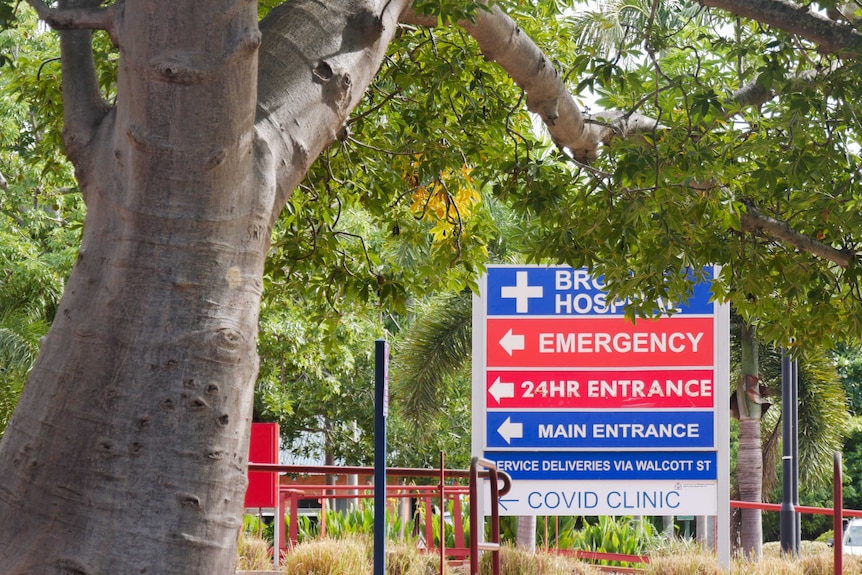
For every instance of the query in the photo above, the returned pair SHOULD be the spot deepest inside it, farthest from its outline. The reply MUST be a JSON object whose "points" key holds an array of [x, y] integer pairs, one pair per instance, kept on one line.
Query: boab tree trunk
{"points": [[127, 453]]}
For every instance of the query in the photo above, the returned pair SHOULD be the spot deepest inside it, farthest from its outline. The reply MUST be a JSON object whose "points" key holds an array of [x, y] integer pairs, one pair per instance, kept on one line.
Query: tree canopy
{"points": [[691, 136]]}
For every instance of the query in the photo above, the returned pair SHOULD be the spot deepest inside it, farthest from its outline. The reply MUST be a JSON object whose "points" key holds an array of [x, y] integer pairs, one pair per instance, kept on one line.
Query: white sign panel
{"points": [[609, 498], [569, 396]]}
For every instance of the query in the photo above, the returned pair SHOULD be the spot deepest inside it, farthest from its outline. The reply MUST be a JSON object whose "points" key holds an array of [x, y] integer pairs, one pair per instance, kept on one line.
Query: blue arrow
{"points": [[502, 501]]}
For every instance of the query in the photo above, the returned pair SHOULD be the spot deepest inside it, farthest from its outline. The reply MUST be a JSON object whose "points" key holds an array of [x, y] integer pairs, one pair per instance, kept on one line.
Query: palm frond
{"points": [[823, 420], [616, 24], [435, 347]]}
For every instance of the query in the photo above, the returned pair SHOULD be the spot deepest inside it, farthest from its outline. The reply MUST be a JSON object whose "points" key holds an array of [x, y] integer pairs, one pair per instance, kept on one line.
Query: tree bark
{"points": [[128, 449], [127, 453], [830, 36], [749, 463], [526, 534]]}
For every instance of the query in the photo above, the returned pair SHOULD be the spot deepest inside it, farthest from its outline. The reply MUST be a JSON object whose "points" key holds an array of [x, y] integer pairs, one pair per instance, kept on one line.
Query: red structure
{"points": [[262, 489]]}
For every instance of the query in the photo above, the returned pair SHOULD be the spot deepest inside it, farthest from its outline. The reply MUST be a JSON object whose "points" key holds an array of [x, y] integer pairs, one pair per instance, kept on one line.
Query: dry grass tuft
{"points": [[773, 548], [514, 560], [821, 564], [765, 566], [354, 557], [683, 564], [814, 559], [329, 557], [253, 553], [406, 559]]}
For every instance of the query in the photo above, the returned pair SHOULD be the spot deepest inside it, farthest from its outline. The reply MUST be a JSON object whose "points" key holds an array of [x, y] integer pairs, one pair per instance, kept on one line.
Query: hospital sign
{"points": [[559, 372]]}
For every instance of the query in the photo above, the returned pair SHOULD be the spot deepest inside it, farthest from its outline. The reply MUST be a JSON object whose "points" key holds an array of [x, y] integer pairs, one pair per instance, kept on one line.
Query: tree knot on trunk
{"points": [[336, 84], [226, 345], [172, 69], [189, 500], [363, 29], [547, 108], [246, 45]]}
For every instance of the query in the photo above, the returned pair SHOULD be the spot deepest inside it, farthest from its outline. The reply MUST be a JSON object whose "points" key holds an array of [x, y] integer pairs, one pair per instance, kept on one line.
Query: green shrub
{"points": [[253, 525], [360, 521], [556, 532], [436, 519], [614, 535]]}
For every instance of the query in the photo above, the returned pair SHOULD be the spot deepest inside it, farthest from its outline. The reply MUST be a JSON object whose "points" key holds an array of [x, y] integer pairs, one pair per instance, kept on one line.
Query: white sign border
{"points": [[722, 376]]}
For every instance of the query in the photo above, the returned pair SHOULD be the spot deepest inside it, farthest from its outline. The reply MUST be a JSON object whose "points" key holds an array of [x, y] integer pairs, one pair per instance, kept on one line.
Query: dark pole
{"points": [[837, 514], [797, 517], [787, 520], [381, 411]]}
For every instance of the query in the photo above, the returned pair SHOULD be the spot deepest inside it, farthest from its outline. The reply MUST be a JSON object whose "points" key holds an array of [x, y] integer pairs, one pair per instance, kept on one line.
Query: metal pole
{"points": [[787, 521], [794, 454], [381, 411], [442, 511], [277, 530], [837, 515]]}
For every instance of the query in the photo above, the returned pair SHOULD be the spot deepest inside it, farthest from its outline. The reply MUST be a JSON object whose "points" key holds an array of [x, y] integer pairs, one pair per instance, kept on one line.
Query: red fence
{"points": [[289, 497], [445, 495]]}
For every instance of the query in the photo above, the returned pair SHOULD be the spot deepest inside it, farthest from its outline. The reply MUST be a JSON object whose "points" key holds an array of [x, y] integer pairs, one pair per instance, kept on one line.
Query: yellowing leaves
{"points": [[448, 200]]}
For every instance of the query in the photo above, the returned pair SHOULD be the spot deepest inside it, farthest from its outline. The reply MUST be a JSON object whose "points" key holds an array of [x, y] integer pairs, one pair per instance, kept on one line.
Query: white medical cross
{"points": [[522, 292]]}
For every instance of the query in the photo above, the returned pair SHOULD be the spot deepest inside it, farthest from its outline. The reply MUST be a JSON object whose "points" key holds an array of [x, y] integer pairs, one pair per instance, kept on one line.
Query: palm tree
{"points": [[748, 409], [29, 291], [823, 419]]}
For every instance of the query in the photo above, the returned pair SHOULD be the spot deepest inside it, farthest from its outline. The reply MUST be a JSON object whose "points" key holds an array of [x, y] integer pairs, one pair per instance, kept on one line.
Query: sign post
{"points": [[381, 412], [592, 414]]}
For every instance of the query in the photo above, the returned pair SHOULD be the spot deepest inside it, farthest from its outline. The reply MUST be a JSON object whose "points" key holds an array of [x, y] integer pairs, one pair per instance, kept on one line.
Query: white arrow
{"points": [[510, 431], [499, 389], [511, 342]]}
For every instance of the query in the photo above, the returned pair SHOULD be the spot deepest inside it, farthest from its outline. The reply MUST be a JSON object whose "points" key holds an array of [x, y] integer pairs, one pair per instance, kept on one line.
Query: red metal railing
{"points": [[494, 545], [799, 508], [289, 498]]}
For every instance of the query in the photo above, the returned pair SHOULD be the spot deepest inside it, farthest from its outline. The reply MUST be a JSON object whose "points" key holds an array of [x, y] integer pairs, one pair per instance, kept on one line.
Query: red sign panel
{"points": [[600, 342], [606, 389], [262, 485]]}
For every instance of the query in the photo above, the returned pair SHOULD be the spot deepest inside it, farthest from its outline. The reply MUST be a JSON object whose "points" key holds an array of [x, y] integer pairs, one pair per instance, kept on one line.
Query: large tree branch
{"points": [[830, 36], [83, 105], [76, 18], [755, 95], [324, 55], [502, 41], [755, 222]]}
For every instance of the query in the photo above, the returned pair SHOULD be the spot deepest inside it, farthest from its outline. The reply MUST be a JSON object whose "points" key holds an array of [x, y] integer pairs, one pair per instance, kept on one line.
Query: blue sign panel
{"points": [[611, 466], [601, 430], [564, 291]]}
